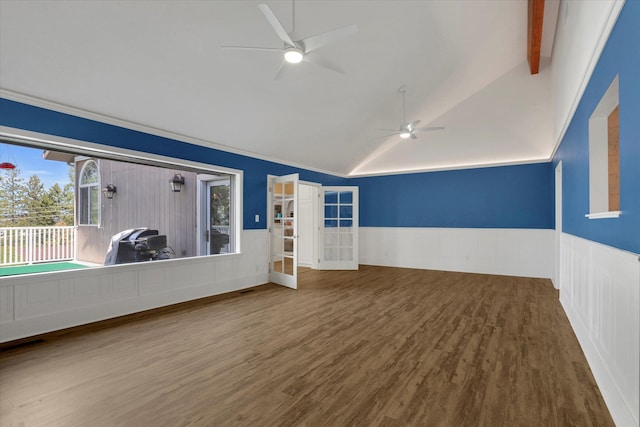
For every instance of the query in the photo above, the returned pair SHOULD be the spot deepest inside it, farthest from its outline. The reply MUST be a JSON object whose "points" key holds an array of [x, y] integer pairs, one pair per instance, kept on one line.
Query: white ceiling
{"points": [[160, 64]]}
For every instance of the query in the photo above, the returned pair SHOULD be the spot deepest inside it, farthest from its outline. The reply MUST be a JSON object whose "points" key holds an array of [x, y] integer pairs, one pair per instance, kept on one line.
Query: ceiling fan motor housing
{"points": [[293, 55]]}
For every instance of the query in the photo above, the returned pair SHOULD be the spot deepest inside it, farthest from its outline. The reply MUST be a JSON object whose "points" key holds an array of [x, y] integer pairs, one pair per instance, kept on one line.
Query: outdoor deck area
{"points": [[46, 267], [27, 250]]}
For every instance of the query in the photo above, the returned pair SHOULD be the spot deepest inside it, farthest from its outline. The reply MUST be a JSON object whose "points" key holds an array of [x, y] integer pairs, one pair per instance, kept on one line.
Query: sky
{"points": [[30, 162]]}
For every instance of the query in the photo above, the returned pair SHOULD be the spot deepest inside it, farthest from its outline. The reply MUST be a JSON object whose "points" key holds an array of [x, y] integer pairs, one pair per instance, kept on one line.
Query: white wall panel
{"points": [[183, 273], [152, 279], [600, 292], [84, 289], [38, 303], [33, 298], [6, 305], [225, 270], [516, 252], [122, 284]]}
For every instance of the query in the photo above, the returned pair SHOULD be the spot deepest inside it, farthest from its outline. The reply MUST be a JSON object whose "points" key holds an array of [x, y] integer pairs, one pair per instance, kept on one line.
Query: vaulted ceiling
{"points": [[161, 65]]}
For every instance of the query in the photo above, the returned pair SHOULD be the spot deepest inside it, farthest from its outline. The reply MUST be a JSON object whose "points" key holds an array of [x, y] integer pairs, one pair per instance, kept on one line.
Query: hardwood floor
{"points": [[382, 346]]}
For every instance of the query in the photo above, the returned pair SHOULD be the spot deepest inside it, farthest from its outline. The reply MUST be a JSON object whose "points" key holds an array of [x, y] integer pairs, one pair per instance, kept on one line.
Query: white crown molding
{"points": [[66, 109]]}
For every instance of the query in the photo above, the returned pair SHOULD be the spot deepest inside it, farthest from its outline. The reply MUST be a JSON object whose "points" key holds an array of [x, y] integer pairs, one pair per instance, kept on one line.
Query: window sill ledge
{"points": [[601, 215]]}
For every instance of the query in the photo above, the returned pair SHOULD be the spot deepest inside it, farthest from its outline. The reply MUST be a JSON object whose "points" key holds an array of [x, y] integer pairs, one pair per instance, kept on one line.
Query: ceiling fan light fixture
{"points": [[405, 135], [293, 55]]}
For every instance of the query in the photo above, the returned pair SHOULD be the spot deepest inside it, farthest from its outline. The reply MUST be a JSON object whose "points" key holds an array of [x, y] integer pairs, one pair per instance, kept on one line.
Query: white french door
{"points": [[283, 226], [338, 228]]}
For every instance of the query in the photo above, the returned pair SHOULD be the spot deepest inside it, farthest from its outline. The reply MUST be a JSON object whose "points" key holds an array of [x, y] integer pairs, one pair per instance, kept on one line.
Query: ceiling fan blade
{"points": [[315, 42], [321, 62], [277, 26], [430, 128], [413, 124], [384, 136], [391, 130], [271, 49], [281, 71], [413, 136], [387, 136]]}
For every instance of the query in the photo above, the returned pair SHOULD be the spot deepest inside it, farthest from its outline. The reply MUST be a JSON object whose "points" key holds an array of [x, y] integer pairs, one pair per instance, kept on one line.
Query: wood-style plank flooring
{"points": [[381, 346]]}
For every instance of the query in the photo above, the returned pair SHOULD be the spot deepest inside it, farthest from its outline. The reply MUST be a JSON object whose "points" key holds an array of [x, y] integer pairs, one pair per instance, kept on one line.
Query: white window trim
{"points": [[601, 215]]}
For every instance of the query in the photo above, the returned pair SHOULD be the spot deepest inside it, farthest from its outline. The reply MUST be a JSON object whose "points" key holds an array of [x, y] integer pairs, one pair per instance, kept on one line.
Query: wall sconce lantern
{"points": [[109, 191], [176, 183]]}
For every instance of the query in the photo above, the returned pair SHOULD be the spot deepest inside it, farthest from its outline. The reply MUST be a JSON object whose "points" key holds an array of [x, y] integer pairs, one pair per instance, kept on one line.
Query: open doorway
{"points": [[310, 226], [216, 214]]}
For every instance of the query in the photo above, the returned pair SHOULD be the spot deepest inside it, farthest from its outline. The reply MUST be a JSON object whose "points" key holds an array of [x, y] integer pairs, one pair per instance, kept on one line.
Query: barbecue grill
{"points": [[137, 244]]}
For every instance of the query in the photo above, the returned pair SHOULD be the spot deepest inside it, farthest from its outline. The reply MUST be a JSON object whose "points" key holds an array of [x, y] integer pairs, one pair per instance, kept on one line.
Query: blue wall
{"points": [[498, 197], [22, 116], [621, 56]]}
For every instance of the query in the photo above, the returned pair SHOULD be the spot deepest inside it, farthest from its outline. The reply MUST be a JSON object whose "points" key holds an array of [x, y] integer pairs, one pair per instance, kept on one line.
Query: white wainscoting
{"points": [[38, 303], [503, 251], [600, 292]]}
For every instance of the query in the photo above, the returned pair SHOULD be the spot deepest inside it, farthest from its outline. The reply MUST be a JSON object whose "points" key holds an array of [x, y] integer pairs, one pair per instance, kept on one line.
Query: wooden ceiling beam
{"points": [[534, 34]]}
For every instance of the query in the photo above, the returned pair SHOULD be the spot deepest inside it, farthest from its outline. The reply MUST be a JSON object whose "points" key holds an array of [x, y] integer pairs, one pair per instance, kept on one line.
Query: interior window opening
{"points": [[76, 208], [604, 155]]}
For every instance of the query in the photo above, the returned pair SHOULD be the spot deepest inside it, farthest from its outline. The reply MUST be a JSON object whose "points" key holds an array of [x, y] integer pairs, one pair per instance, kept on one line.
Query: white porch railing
{"points": [[26, 245]]}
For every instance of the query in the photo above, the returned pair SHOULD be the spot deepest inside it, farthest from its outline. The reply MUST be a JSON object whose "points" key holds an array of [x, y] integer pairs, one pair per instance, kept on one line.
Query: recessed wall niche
{"points": [[604, 155]]}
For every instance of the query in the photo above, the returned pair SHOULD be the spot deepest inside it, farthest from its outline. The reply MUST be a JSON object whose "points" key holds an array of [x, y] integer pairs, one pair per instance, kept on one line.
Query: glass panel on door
{"points": [[284, 230], [340, 230]]}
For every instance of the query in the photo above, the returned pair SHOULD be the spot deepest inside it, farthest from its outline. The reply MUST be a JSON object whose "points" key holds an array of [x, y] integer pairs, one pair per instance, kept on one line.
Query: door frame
{"points": [[202, 219], [558, 227]]}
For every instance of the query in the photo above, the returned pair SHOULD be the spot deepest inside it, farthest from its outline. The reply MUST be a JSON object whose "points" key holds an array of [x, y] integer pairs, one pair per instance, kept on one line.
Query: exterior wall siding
{"points": [[143, 199]]}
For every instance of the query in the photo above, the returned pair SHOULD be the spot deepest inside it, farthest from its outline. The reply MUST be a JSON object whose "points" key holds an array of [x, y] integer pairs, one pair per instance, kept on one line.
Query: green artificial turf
{"points": [[39, 268]]}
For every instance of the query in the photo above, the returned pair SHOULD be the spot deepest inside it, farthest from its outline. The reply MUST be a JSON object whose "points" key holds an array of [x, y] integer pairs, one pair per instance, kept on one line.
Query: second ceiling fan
{"points": [[295, 51], [407, 130]]}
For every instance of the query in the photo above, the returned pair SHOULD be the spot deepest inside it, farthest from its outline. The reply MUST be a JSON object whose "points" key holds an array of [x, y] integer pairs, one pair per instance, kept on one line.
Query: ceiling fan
{"points": [[296, 51], [407, 130]]}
